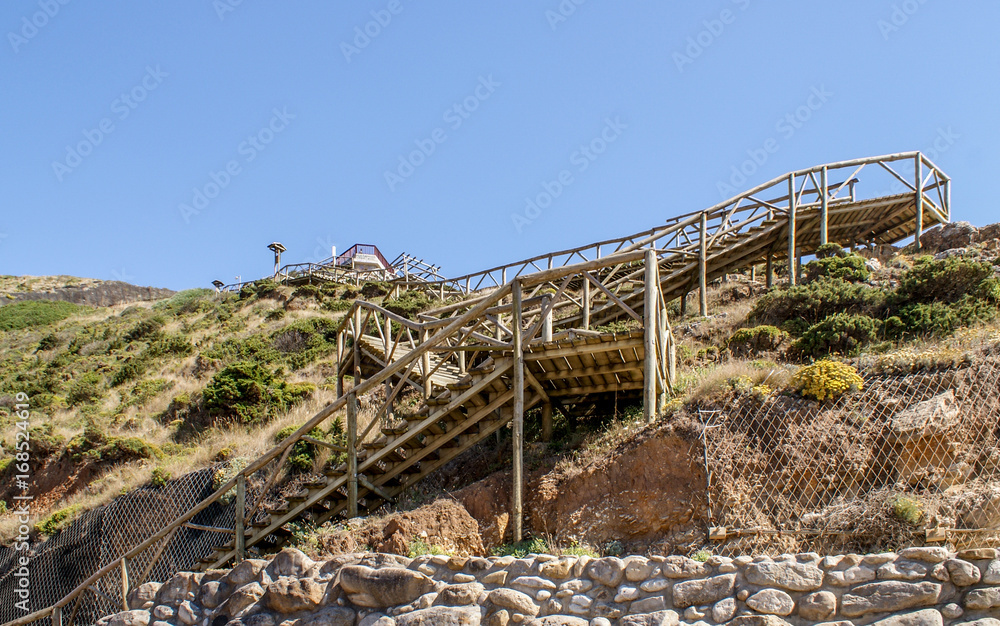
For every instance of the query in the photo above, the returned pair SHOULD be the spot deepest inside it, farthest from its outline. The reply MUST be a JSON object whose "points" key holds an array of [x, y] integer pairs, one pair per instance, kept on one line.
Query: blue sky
{"points": [[168, 143]]}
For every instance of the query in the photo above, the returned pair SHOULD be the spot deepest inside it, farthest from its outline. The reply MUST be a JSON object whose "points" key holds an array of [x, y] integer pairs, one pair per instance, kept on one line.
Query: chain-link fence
{"points": [[912, 459], [100, 536]]}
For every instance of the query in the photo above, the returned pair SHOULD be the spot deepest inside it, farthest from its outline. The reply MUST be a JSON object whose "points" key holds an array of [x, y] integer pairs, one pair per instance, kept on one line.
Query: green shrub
{"points": [[249, 392], [810, 303], [34, 313], [840, 333], [308, 291], [186, 302], [159, 477], [831, 249], [337, 306], [850, 267], [148, 329], [746, 341], [409, 303], [419, 547], [944, 280], [521, 549], [701, 556], [85, 389], [129, 371], [145, 390], [907, 509], [55, 522], [94, 445], [48, 342], [374, 289], [169, 344]]}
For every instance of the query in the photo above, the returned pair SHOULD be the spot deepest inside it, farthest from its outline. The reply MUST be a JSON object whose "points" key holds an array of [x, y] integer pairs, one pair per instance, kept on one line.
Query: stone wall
{"points": [[918, 586]]}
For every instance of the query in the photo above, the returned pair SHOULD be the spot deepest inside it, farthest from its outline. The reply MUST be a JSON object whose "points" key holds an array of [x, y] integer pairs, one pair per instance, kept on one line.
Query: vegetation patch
{"points": [[35, 313], [746, 341], [826, 380], [840, 333], [248, 392], [409, 303]]}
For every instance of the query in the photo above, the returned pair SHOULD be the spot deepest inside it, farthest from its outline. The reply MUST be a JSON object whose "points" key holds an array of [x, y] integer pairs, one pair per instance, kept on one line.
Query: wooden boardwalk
{"points": [[528, 335]]}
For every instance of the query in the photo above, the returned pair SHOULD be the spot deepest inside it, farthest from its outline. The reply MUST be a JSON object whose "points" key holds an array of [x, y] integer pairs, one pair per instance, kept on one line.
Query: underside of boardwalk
{"points": [[534, 334]]}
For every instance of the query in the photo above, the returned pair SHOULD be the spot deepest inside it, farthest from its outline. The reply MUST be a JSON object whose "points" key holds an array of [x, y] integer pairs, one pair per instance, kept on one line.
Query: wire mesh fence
{"points": [[102, 535], [912, 459]]}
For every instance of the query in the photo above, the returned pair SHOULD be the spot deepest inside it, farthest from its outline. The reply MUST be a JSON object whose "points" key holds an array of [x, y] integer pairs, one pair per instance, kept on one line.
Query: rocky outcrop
{"points": [[956, 235], [99, 293], [917, 587]]}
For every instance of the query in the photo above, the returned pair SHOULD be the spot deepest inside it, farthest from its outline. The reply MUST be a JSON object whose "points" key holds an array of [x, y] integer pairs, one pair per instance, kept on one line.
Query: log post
{"points": [[517, 496], [662, 344], [824, 208], [684, 304], [124, 584], [586, 304], [357, 347], [919, 174], [703, 267], [461, 362], [547, 422], [769, 271], [792, 257], [547, 321], [649, 326], [340, 361], [425, 365], [352, 455], [240, 538]]}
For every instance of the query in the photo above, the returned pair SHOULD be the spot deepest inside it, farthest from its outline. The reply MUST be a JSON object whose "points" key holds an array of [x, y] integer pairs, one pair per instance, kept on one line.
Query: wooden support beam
{"points": [[824, 208], [124, 583], [517, 496], [340, 360], [547, 422], [631, 367], [650, 304], [240, 539], [919, 175], [582, 391], [352, 455], [792, 270], [586, 305], [769, 271], [425, 365], [357, 347], [703, 266], [547, 323]]}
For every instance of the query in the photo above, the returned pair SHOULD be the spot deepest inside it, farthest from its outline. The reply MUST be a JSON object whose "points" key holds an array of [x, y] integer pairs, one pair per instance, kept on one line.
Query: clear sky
{"points": [[167, 143]]}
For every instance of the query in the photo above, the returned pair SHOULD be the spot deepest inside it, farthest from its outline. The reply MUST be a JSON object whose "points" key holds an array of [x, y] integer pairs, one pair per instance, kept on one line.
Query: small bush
{"points": [[34, 313], [48, 342], [419, 547], [85, 389], [129, 371], [55, 522], [850, 267], [249, 392], [159, 477], [337, 306], [906, 509], [826, 379], [148, 329], [746, 341], [375, 289], [409, 303], [840, 333], [521, 549], [807, 304], [944, 280], [831, 249], [186, 302], [701, 556]]}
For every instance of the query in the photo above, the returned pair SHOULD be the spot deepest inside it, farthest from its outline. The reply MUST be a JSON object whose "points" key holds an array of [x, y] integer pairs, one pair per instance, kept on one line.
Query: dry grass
{"points": [[712, 383]]}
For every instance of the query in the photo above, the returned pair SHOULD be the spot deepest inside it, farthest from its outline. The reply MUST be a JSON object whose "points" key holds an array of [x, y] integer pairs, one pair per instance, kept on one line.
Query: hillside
{"points": [[129, 394]]}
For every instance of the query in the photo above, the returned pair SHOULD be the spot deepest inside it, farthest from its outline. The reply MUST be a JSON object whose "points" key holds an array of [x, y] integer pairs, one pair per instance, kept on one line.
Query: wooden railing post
{"points": [[124, 584], [703, 267], [586, 304], [517, 496], [792, 256], [240, 538], [649, 326], [352, 455], [340, 362], [425, 365], [824, 207], [919, 175], [547, 321]]}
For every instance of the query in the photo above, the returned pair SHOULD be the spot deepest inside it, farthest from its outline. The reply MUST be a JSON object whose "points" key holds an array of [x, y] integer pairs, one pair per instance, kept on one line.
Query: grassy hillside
{"points": [[125, 395]]}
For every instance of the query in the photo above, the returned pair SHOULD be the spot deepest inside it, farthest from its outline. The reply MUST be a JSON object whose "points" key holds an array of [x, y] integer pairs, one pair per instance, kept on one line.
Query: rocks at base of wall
{"points": [[917, 587]]}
